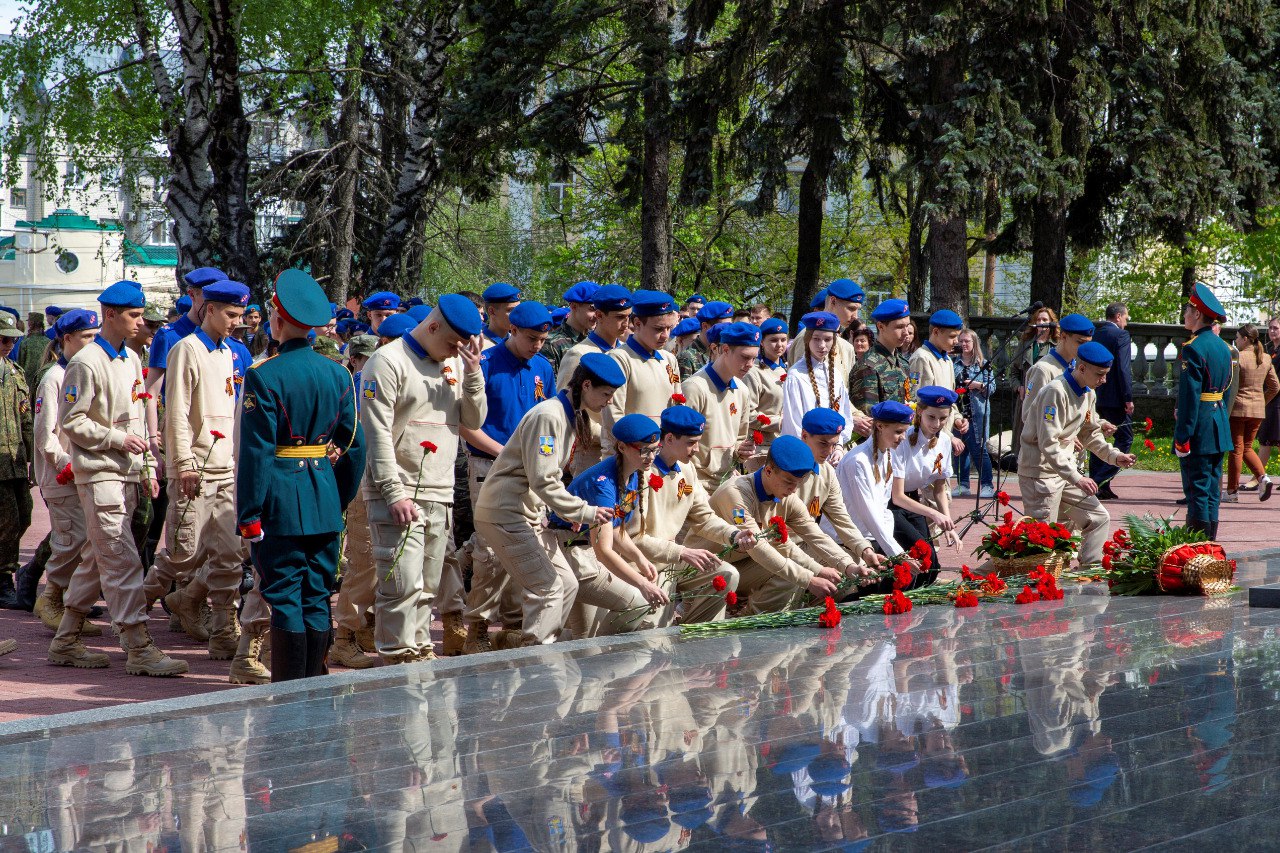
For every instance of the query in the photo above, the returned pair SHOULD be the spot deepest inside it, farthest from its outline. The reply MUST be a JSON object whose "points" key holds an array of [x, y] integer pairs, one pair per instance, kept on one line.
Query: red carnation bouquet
{"points": [[1153, 555], [1027, 537]]}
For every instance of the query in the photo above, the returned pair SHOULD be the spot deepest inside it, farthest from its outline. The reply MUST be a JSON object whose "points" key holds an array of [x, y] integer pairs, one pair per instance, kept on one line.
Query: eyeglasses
{"points": [[645, 449]]}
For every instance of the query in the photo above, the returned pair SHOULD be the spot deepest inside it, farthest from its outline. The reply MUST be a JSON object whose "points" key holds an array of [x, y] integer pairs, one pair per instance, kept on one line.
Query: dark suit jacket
{"points": [[1118, 389]]}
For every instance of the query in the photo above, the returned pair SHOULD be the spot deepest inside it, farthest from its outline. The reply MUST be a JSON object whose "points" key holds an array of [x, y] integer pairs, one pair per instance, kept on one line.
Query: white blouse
{"points": [[798, 398], [866, 495], [922, 465]]}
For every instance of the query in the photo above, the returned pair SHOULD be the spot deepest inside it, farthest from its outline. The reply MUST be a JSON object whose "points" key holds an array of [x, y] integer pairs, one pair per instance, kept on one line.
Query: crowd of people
{"points": [[528, 473]]}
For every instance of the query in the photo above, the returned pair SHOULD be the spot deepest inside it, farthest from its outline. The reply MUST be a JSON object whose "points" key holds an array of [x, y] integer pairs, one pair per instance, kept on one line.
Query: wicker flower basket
{"points": [[1200, 568], [1053, 563]]}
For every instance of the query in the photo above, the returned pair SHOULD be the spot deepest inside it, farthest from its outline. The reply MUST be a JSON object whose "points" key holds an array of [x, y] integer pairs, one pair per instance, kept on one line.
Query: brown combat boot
{"points": [[188, 613], [67, 649], [144, 657], [508, 638], [399, 657], [364, 636], [477, 639], [247, 667], [224, 638], [346, 652], [455, 634]]}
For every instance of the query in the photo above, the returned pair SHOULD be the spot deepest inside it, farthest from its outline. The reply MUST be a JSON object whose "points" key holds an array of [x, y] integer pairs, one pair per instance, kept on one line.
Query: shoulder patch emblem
{"points": [[739, 516], [39, 404], [72, 394], [1031, 386], [250, 402], [546, 445], [1050, 413], [915, 377], [370, 388]]}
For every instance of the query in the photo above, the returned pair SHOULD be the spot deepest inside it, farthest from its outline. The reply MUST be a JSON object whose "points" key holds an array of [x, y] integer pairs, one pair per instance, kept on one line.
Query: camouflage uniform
{"points": [[562, 339], [15, 455], [31, 357], [693, 358], [880, 376]]}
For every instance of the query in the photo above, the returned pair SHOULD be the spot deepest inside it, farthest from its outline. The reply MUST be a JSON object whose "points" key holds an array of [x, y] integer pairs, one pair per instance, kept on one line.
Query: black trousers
{"points": [[908, 528]]}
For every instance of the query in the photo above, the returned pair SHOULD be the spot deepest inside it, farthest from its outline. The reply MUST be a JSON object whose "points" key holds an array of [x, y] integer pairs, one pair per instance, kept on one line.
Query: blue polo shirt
{"points": [[598, 486], [166, 339], [512, 387]]}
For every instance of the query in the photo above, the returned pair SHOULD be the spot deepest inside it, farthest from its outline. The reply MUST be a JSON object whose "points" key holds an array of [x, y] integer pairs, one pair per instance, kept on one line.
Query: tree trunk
{"points": [[813, 203], [991, 227], [1048, 254], [655, 202], [344, 185], [948, 265]]}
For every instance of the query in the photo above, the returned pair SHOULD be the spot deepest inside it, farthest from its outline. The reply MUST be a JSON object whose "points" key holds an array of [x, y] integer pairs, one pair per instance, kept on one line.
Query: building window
{"points": [[18, 198], [68, 262]]}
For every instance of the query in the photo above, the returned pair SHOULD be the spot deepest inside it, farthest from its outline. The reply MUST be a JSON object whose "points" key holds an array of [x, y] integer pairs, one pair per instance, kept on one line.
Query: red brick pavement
{"points": [[30, 687]]}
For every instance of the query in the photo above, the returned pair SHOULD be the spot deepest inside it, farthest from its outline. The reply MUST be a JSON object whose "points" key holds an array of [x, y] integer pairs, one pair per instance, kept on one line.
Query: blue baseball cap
{"points": [[301, 299], [583, 291], [200, 276], [713, 311], [822, 421], [773, 326], [738, 335], [891, 309], [603, 369], [383, 300], [819, 299], [611, 297], [847, 289], [652, 303], [820, 321], [76, 320], [687, 326], [1203, 300], [531, 315], [419, 312], [634, 429], [183, 305], [936, 395], [500, 291], [122, 294], [946, 319], [892, 412], [228, 291], [396, 325], [683, 420], [1076, 324], [461, 314], [1094, 353], [790, 454]]}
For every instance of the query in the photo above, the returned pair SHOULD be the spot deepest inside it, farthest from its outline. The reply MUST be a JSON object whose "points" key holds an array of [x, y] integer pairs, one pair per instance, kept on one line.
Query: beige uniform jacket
{"points": [[200, 397], [928, 369], [1053, 419], [52, 448], [821, 497], [726, 408], [764, 388], [406, 398], [680, 506], [99, 409], [651, 380]]}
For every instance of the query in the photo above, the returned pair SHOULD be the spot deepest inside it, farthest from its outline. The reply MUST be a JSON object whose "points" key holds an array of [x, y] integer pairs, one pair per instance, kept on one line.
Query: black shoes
{"points": [[1105, 493]]}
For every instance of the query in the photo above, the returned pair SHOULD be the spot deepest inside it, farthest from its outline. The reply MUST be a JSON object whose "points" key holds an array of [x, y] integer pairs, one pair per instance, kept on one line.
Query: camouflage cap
{"points": [[362, 345], [9, 327], [326, 347], [152, 313]]}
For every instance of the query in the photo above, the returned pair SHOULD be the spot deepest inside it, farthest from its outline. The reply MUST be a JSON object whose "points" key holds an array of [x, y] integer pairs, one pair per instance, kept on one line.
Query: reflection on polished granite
{"points": [[1087, 724]]}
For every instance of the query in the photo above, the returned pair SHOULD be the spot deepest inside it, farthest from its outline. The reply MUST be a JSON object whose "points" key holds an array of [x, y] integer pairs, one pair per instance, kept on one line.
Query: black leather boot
{"points": [[318, 643], [288, 654], [27, 583], [8, 594]]}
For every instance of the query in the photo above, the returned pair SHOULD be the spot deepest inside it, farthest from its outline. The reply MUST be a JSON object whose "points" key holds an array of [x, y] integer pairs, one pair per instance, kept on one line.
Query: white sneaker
{"points": [[960, 491], [987, 492], [1229, 498]]}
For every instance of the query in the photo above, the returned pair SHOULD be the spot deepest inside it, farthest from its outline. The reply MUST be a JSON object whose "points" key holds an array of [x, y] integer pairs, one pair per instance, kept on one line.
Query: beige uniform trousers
{"points": [[605, 604], [698, 600], [535, 562], [68, 539], [407, 585], [255, 613], [359, 581], [486, 572], [116, 565], [1052, 498], [767, 592], [201, 543], [212, 814]]}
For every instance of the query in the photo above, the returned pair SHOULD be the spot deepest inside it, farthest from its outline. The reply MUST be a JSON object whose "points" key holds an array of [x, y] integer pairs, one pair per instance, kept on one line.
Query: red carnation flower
{"points": [[1027, 596], [655, 482], [993, 584], [780, 523], [763, 420], [1148, 424], [896, 602], [144, 396], [965, 598], [216, 435], [1148, 444], [962, 390], [429, 446], [677, 399], [901, 577], [65, 476], [718, 583], [966, 573], [1002, 498], [829, 619], [757, 437], [145, 371], [731, 598]]}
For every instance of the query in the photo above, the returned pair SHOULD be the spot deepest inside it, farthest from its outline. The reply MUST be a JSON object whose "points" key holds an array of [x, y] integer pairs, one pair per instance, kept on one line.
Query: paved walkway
{"points": [[30, 687]]}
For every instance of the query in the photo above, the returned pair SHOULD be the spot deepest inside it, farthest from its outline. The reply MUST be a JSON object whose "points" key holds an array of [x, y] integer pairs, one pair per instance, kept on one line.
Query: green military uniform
{"points": [[31, 357], [289, 497], [880, 377], [562, 339], [693, 358], [15, 455], [1202, 428]]}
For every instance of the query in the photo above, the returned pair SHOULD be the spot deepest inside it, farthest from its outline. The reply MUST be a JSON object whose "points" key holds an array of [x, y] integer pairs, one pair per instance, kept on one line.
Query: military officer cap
{"points": [[122, 294], [847, 289], [228, 291], [300, 300], [890, 310], [946, 319], [53, 311], [697, 297], [772, 326], [501, 292], [558, 315], [9, 327], [395, 326], [636, 429], [687, 326], [461, 314], [152, 314], [381, 301], [200, 276], [790, 454], [936, 395], [414, 300], [76, 320], [183, 305], [739, 335], [819, 299], [1203, 300], [652, 303], [1094, 353], [582, 292], [822, 421], [419, 312], [531, 315], [820, 321], [713, 311], [603, 370], [1076, 324], [891, 411], [362, 345], [611, 297], [683, 420]]}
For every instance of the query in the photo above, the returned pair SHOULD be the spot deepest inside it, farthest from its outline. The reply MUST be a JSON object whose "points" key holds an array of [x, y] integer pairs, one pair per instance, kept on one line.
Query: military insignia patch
{"points": [[1031, 386], [815, 508], [915, 377], [370, 389], [24, 406], [539, 393], [72, 394], [739, 516], [447, 372], [683, 488], [672, 375], [250, 402], [733, 408], [137, 383], [39, 404], [546, 445], [1050, 413], [231, 387]]}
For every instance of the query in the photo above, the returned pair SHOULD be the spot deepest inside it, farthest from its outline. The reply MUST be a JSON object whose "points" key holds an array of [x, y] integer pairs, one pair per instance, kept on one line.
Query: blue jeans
{"points": [[975, 450]]}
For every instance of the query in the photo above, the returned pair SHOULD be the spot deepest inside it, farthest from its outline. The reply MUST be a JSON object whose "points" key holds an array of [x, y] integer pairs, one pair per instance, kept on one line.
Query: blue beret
{"points": [[611, 297], [53, 311], [14, 311], [889, 310], [358, 328], [461, 314], [531, 315], [773, 326], [302, 298], [739, 335], [583, 291], [183, 304], [645, 824], [558, 315], [819, 299], [936, 395], [683, 420], [1076, 324], [253, 306], [687, 326], [231, 292], [333, 310], [396, 325], [946, 319], [697, 297], [634, 429], [500, 291], [790, 454], [76, 320], [122, 294], [847, 289], [1203, 300], [51, 332], [419, 312], [603, 369], [820, 321], [200, 276], [344, 326], [795, 756], [382, 301], [1094, 353], [713, 332], [415, 300], [892, 412], [714, 311], [652, 303], [822, 421]]}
